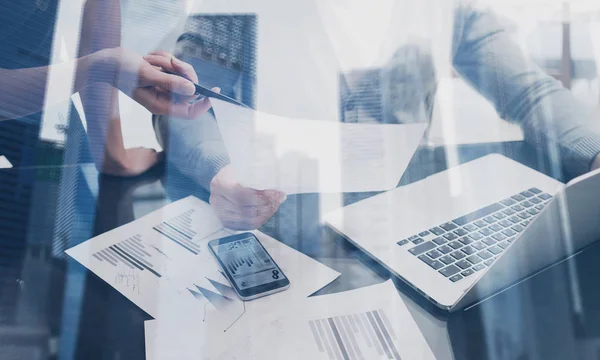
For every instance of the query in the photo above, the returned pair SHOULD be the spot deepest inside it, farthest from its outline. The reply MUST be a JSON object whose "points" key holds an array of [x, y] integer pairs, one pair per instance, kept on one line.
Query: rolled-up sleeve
{"points": [[551, 118], [194, 147]]}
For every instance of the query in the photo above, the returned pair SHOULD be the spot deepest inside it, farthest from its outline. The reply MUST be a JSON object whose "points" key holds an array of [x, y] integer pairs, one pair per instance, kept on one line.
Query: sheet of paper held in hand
{"points": [[367, 323], [306, 156], [161, 263]]}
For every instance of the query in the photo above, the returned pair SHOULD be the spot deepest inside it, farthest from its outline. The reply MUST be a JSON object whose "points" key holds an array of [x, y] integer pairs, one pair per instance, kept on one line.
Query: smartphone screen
{"points": [[248, 265]]}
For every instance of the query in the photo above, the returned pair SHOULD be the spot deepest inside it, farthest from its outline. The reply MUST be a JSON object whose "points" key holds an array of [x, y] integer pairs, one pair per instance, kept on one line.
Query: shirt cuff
{"points": [[582, 155]]}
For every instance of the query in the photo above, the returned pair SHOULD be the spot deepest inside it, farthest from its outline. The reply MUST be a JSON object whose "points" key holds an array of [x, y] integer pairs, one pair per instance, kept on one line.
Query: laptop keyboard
{"points": [[470, 243]]}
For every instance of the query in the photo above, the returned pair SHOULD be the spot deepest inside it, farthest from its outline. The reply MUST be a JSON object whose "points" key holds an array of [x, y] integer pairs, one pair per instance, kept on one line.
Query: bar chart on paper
{"points": [[131, 252], [179, 229], [361, 336]]}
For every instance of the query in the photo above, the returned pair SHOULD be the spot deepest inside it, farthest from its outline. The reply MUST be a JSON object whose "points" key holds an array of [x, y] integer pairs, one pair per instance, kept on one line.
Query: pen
{"points": [[201, 90]]}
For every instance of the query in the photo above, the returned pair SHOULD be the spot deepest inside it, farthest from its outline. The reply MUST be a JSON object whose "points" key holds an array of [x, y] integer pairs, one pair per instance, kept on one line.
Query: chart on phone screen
{"points": [[162, 263], [248, 263]]}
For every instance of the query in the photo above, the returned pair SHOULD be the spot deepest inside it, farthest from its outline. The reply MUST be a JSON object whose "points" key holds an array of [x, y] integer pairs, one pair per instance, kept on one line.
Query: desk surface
{"points": [[53, 308]]}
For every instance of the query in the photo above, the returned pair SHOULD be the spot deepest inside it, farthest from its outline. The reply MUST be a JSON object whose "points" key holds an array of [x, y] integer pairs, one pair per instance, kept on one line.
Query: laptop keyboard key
{"points": [[434, 254], [418, 250], [489, 219], [535, 200], [533, 211], [468, 250], [478, 267], [535, 190], [527, 204], [489, 241], [539, 207], [465, 240], [463, 264], [527, 194], [486, 232], [485, 254], [447, 259], [470, 227], [439, 241], [445, 249], [476, 236], [518, 197], [515, 219], [545, 196], [436, 265], [437, 231], [524, 215], [478, 245], [495, 250], [499, 237], [508, 212], [505, 223], [503, 244], [467, 272], [508, 232], [488, 262], [417, 241], [507, 202], [414, 237], [456, 277], [461, 232], [455, 245], [448, 226], [458, 255], [499, 215], [424, 233], [451, 236], [480, 223], [496, 227], [449, 270], [518, 228], [474, 259], [517, 208], [402, 242]]}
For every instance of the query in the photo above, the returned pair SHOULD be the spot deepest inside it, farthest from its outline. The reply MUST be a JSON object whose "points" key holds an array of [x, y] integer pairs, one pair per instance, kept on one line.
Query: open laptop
{"points": [[464, 234]]}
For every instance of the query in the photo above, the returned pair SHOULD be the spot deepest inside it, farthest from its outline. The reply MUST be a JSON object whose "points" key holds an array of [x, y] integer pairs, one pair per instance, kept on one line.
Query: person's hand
{"points": [[241, 208], [143, 80]]}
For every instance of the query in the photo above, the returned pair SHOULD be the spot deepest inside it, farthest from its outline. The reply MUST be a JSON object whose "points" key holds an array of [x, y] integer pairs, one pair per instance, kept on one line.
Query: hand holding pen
{"points": [[176, 103]]}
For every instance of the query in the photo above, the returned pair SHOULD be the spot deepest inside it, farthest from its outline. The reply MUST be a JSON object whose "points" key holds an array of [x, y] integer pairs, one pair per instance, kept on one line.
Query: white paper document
{"points": [[161, 263], [306, 156], [367, 323]]}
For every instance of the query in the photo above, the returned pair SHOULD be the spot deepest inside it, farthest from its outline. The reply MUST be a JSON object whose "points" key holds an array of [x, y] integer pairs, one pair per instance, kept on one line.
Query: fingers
{"points": [[160, 102], [150, 76], [172, 64], [242, 218]]}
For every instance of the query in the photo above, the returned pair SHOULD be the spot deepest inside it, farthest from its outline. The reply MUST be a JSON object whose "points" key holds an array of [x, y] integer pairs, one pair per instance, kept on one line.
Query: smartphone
{"points": [[248, 266]]}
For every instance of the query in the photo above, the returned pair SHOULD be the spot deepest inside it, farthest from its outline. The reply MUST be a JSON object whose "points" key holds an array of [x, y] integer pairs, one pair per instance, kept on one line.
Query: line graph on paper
{"points": [[359, 336]]}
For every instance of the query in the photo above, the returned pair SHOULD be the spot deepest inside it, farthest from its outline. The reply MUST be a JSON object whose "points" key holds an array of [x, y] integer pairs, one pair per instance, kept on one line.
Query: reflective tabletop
{"points": [[51, 307]]}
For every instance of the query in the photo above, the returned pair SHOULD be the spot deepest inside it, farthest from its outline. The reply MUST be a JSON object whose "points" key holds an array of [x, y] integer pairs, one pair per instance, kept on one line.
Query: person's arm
{"points": [[197, 150], [551, 118], [23, 90], [101, 34]]}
